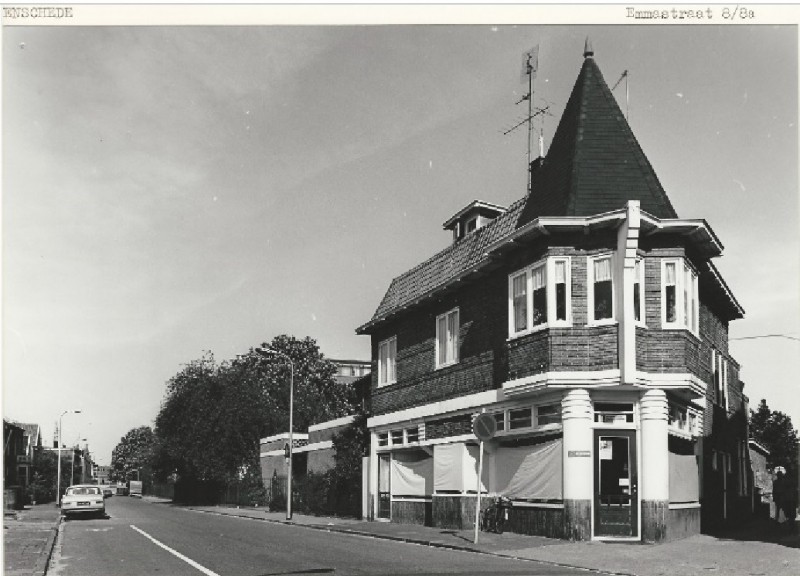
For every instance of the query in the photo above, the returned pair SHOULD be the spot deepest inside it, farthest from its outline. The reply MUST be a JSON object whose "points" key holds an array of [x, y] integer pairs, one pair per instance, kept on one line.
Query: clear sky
{"points": [[170, 190]]}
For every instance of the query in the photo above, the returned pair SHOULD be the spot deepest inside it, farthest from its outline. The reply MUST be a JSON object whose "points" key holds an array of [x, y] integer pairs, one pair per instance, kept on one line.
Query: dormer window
{"points": [[472, 217]]}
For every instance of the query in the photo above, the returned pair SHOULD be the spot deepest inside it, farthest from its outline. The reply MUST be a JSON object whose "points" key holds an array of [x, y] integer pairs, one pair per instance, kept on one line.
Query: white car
{"points": [[83, 499]]}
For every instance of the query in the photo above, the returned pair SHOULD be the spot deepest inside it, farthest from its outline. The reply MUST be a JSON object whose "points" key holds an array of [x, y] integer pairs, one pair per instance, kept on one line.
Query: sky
{"points": [[172, 190]]}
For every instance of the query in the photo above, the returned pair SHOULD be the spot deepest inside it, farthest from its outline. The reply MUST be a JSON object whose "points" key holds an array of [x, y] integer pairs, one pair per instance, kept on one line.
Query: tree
{"points": [[774, 430], [43, 478], [133, 455], [210, 424]]}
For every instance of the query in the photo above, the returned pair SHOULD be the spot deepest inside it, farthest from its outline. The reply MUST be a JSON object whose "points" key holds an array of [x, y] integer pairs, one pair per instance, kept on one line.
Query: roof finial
{"points": [[588, 52]]}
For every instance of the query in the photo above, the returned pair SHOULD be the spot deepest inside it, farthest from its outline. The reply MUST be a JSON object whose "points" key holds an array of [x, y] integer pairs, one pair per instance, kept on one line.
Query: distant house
{"points": [[762, 479], [591, 322], [13, 453]]}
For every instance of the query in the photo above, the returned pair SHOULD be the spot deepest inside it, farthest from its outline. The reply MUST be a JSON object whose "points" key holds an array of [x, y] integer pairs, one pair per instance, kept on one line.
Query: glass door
{"points": [[384, 489], [616, 502]]}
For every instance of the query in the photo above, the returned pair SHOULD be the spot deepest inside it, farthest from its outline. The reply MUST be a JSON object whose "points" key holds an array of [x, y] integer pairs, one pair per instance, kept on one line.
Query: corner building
{"points": [[590, 320]]}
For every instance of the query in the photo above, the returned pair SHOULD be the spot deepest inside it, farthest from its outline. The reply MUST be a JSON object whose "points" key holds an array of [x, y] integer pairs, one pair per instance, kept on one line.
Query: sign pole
{"points": [[478, 491]]}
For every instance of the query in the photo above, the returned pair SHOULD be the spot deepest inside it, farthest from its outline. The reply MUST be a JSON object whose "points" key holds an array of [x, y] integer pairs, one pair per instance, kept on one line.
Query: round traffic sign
{"points": [[484, 427]]}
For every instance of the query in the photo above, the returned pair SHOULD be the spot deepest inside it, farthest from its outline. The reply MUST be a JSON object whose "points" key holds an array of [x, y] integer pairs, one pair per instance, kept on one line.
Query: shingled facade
{"points": [[591, 321]]}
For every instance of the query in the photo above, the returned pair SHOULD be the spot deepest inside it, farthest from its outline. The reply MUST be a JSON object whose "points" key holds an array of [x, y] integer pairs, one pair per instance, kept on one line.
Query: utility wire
{"points": [[766, 336]]}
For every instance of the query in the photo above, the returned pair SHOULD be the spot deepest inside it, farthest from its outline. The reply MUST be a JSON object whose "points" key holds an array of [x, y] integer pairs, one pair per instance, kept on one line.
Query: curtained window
{"points": [[684, 483], [602, 289], [530, 472], [447, 326], [412, 473]]}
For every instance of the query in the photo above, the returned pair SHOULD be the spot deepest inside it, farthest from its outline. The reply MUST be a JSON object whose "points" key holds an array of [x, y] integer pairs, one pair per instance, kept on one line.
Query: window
{"points": [[679, 301], [412, 434], [472, 225], [719, 370], [548, 414], [519, 418], [519, 302], [500, 418], [613, 413], [387, 358], [447, 338], [638, 293], [397, 437], [383, 438], [601, 291], [539, 296]]}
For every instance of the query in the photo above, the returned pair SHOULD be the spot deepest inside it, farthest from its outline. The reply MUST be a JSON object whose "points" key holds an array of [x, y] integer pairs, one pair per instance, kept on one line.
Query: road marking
{"points": [[189, 561]]}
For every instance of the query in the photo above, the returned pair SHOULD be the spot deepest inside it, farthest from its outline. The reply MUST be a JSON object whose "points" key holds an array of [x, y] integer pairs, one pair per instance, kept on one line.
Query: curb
{"points": [[417, 541], [43, 561]]}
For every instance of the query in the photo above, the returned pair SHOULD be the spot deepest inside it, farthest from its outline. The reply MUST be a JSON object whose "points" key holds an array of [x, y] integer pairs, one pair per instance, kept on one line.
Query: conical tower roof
{"points": [[594, 164]]}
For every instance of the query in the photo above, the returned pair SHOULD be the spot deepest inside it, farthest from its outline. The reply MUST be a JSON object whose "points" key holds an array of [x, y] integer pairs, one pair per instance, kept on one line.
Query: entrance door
{"points": [[616, 501], [384, 486]]}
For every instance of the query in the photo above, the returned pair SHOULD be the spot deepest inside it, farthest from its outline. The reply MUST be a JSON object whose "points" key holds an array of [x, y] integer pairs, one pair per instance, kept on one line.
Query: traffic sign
{"points": [[484, 427]]}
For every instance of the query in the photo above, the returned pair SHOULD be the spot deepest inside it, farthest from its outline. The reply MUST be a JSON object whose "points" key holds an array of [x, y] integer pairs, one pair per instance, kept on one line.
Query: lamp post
{"points": [[58, 475], [272, 352]]}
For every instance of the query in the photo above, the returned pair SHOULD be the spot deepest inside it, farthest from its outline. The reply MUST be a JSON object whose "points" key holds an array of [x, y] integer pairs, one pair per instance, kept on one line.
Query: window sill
{"points": [[598, 323], [448, 365], [538, 328], [386, 384]]}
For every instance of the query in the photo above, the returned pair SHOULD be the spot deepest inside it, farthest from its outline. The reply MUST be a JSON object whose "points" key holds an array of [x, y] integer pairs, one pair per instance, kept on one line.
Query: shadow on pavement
{"points": [[762, 531]]}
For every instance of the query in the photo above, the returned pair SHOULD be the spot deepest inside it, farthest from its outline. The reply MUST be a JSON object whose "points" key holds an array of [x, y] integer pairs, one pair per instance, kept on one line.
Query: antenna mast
{"points": [[627, 93], [530, 65]]}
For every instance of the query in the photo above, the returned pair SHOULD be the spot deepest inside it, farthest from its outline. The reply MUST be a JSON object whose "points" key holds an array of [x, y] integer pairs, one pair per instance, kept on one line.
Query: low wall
{"points": [[411, 512], [682, 522], [536, 521]]}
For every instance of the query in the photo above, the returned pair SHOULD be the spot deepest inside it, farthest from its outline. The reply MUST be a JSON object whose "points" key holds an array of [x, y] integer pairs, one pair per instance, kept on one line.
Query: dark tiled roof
{"points": [[594, 163], [448, 263]]}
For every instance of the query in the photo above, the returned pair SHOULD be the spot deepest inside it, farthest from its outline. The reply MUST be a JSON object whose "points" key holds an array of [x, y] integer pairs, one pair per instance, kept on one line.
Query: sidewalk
{"points": [[28, 539], [754, 551]]}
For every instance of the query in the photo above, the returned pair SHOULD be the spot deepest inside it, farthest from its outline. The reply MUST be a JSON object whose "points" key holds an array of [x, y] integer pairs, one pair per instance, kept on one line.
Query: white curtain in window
{"points": [[519, 289], [602, 270], [684, 483], [669, 272], [452, 336], [448, 460], [442, 339], [637, 272], [539, 277], [412, 474], [530, 471], [560, 272]]}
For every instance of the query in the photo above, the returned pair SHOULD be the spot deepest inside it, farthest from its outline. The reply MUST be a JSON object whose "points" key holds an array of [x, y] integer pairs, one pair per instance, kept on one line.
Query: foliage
{"points": [[134, 452], [774, 430], [213, 416], [43, 478]]}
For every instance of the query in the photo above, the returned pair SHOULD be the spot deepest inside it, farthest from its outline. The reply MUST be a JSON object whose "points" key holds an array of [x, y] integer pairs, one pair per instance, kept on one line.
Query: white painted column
{"points": [[576, 417], [627, 245], [654, 479]]}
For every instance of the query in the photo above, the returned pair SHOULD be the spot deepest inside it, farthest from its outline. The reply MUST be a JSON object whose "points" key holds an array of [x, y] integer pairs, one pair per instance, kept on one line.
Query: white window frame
{"points": [[384, 378], [686, 287], [549, 265], [591, 320], [718, 358], [442, 338]]}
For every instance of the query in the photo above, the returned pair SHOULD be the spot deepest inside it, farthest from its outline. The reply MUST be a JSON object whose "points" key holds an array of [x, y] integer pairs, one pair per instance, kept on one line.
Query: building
{"points": [[590, 320]]}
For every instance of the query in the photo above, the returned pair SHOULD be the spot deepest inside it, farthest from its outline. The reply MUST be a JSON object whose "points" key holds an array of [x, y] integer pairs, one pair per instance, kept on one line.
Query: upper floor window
{"points": [[447, 338], [540, 296], [601, 289], [387, 361], [679, 301], [719, 369]]}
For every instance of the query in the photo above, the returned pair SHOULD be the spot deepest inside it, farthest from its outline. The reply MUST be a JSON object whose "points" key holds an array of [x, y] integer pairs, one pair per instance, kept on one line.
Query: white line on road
{"points": [[189, 561]]}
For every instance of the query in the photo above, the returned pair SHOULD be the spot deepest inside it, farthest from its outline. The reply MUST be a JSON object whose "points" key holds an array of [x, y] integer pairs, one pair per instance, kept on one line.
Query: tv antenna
{"points": [[530, 65], [627, 93]]}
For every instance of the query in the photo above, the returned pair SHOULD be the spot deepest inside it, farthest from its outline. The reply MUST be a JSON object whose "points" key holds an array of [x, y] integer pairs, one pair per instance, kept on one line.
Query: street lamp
{"points": [[58, 475], [272, 352]]}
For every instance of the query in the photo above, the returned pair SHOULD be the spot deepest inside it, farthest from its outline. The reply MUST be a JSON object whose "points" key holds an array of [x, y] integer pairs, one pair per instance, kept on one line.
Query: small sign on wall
{"points": [[578, 453]]}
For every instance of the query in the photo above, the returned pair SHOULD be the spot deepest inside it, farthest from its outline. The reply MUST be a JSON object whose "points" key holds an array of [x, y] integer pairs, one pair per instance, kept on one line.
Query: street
{"points": [[141, 537]]}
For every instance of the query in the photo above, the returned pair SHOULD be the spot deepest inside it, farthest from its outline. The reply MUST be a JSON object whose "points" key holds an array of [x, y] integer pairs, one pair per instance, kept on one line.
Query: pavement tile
{"points": [[28, 539]]}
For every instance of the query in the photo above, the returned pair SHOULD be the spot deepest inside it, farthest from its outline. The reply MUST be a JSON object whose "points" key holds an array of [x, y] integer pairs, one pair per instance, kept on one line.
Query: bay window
{"points": [[679, 295], [539, 296]]}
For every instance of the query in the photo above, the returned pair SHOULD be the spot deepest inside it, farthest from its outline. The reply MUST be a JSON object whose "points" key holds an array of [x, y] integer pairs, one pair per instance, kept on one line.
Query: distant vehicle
{"points": [[83, 499], [135, 488], [108, 491]]}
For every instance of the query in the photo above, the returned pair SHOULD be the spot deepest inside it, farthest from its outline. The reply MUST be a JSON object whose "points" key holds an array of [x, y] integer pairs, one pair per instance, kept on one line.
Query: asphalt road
{"points": [[141, 537]]}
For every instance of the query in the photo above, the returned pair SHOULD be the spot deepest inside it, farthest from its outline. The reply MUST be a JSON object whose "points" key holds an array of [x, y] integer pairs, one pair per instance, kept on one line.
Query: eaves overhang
{"points": [[697, 232]]}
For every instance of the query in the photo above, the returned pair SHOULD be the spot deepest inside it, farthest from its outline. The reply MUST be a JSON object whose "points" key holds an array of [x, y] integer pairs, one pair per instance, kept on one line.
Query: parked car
{"points": [[108, 491], [83, 499]]}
